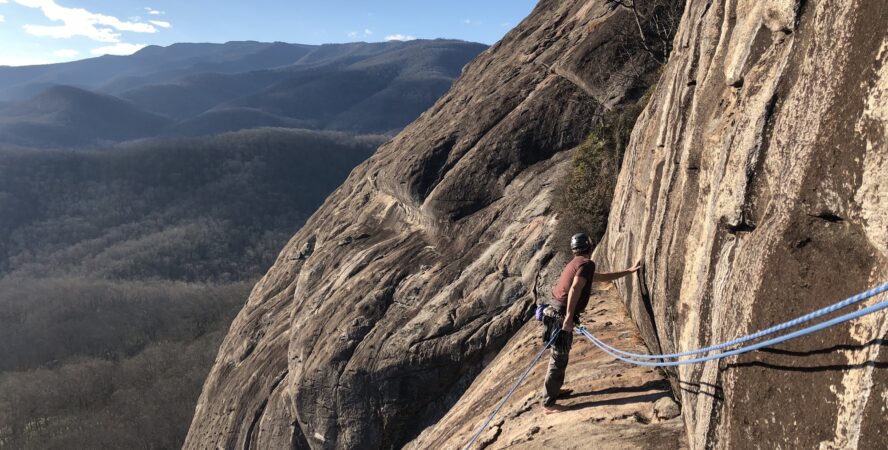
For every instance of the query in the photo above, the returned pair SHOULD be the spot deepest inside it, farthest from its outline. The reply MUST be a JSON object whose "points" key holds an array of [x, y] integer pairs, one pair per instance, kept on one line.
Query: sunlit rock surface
{"points": [[755, 188], [384, 308]]}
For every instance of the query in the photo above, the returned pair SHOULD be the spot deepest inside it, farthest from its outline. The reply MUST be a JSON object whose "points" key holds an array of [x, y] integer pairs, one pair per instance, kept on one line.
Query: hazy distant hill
{"points": [[198, 89], [152, 64], [69, 116]]}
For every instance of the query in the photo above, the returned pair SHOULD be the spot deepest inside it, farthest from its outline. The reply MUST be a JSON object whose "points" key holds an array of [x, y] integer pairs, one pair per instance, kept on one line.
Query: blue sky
{"points": [[48, 31]]}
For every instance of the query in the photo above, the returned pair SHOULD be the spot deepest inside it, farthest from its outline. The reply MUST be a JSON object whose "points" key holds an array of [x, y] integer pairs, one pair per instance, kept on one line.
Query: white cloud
{"points": [[161, 23], [12, 60], [121, 48], [400, 37], [352, 34], [154, 12], [368, 32], [80, 22], [66, 53], [2, 19]]}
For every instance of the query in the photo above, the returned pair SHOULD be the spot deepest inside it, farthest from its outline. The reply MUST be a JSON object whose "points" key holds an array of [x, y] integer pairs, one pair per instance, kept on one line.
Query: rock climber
{"points": [[569, 298]]}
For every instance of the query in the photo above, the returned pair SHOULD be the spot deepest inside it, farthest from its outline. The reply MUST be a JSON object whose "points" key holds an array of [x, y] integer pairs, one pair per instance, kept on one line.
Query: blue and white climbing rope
{"points": [[776, 328], [767, 343], [512, 391]]}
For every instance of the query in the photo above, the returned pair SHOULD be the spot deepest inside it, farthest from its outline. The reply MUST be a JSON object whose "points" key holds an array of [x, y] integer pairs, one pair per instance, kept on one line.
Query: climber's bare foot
{"points": [[552, 409]]}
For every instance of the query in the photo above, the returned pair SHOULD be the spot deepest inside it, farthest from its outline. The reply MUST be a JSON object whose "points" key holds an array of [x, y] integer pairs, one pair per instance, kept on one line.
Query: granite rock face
{"points": [[383, 309], [613, 406], [755, 188]]}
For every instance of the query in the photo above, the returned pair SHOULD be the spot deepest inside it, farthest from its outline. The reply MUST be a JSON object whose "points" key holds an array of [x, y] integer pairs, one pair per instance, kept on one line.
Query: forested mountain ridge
{"points": [[205, 89], [183, 209], [69, 116], [162, 65], [122, 263]]}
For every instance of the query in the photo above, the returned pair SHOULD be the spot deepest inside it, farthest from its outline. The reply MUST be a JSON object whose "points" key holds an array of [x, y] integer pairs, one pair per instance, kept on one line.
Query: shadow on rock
{"points": [[661, 385], [643, 398], [789, 360], [702, 388]]}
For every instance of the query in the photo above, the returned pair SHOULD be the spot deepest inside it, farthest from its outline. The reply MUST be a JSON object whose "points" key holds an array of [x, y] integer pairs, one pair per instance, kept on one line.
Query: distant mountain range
{"points": [[204, 89]]}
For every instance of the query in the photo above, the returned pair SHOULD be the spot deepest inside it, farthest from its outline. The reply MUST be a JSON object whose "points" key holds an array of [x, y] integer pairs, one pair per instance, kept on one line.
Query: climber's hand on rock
{"points": [[636, 267]]}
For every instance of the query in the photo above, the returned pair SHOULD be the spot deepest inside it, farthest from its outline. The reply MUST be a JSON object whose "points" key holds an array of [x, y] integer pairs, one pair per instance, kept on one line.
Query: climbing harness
{"points": [[634, 358], [512, 391], [553, 320]]}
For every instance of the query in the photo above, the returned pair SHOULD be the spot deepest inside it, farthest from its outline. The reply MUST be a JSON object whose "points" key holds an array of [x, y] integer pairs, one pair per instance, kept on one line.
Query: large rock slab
{"points": [[381, 311], [755, 187], [613, 405]]}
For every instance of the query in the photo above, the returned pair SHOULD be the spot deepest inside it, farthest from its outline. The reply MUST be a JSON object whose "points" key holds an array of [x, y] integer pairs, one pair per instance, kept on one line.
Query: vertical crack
{"points": [[250, 437]]}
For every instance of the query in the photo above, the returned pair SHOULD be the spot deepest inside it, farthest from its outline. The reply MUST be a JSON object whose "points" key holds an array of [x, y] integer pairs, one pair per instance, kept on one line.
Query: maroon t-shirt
{"points": [[579, 265]]}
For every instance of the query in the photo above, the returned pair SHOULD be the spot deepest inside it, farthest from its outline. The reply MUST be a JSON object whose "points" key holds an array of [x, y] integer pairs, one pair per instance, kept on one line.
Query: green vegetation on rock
{"points": [[584, 197]]}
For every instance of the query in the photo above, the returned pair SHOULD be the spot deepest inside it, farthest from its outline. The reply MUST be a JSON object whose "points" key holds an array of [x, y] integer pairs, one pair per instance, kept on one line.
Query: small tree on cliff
{"points": [[656, 22]]}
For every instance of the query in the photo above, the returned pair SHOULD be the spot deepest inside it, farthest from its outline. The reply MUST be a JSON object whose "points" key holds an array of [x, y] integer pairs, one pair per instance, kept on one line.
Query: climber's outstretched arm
{"points": [[611, 276]]}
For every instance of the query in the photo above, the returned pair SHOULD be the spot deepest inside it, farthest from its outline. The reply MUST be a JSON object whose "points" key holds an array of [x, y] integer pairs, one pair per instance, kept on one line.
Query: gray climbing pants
{"points": [[558, 358]]}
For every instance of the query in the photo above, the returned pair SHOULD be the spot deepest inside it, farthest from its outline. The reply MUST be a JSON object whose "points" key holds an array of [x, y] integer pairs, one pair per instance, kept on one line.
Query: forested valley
{"points": [[121, 269]]}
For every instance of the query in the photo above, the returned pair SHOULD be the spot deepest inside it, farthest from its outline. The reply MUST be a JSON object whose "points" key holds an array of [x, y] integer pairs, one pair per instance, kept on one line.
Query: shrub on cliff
{"points": [[584, 198], [585, 195]]}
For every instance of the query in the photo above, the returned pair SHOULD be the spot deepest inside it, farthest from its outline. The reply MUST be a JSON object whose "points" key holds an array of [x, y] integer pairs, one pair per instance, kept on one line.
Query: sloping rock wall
{"points": [[755, 188], [381, 311], [613, 406]]}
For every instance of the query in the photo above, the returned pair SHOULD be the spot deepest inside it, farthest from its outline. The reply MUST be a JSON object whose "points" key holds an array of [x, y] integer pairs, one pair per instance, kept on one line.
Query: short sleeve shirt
{"points": [[579, 265]]}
